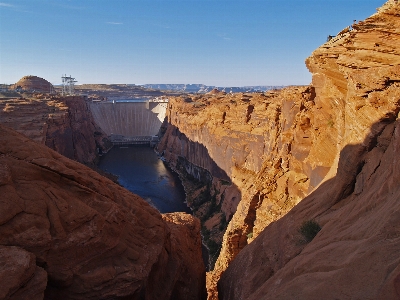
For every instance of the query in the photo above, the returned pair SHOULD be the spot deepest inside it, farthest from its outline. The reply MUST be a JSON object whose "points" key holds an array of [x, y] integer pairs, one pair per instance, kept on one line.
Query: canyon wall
{"points": [[279, 147], [64, 124], [355, 255], [68, 233]]}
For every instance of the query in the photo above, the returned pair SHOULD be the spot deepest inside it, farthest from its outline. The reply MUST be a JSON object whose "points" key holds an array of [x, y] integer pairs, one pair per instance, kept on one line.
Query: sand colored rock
{"points": [[34, 84], [264, 145], [354, 256], [64, 124], [279, 147], [357, 95], [93, 238]]}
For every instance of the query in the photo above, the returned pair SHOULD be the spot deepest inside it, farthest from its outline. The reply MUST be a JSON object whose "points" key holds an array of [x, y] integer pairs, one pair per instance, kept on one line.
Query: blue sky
{"points": [[219, 42]]}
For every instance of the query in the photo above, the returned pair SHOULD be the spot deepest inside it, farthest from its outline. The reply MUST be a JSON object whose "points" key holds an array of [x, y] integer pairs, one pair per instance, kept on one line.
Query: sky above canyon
{"points": [[218, 42]]}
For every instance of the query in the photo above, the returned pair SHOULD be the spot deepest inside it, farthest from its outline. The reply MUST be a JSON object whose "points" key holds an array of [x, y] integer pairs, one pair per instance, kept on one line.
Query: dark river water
{"points": [[141, 171]]}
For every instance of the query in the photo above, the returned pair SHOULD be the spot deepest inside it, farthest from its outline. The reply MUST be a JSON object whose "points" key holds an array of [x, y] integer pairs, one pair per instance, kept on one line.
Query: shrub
{"points": [[309, 230], [250, 235]]}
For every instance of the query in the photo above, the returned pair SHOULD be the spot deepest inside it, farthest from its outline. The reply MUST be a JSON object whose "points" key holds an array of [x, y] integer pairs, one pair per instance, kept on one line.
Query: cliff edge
{"points": [[355, 254], [68, 233], [319, 144]]}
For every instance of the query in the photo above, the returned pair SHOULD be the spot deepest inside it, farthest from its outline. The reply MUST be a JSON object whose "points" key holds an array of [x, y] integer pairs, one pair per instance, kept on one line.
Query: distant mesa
{"points": [[214, 91], [32, 83]]}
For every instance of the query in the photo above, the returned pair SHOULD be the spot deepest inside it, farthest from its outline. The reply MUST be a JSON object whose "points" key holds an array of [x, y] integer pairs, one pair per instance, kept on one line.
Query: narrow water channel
{"points": [[141, 171]]}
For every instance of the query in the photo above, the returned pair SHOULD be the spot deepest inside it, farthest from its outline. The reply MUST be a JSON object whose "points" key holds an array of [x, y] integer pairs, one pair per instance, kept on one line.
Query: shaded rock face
{"points": [[34, 84], [271, 147], [279, 147], [19, 276], [93, 238], [354, 256], [76, 136], [64, 124]]}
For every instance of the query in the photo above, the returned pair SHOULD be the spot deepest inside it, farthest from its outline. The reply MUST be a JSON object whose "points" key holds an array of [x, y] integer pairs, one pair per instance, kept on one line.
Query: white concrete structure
{"points": [[129, 119]]}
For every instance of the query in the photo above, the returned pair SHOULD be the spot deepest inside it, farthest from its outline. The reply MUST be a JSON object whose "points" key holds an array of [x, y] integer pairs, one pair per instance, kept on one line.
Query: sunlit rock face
{"points": [[32, 83], [356, 106], [78, 235], [281, 147]]}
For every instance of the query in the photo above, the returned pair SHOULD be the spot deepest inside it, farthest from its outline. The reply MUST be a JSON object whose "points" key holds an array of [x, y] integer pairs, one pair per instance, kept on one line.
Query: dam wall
{"points": [[129, 119]]}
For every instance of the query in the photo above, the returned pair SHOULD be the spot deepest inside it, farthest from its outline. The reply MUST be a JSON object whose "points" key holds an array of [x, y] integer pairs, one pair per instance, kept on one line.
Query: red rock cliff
{"points": [[279, 147], [65, 124], [354, 256], [74, 234]]}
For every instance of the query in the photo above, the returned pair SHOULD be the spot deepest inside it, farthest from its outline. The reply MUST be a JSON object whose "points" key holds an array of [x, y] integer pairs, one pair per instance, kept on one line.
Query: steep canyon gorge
{"points": [[326, 152], [256, 167]]}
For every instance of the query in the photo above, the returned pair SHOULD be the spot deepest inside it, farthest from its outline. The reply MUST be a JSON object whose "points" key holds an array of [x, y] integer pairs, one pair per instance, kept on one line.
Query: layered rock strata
{"points": [[86, 237], [353, 256], [64, 124], [20, 277], [279, 147]]}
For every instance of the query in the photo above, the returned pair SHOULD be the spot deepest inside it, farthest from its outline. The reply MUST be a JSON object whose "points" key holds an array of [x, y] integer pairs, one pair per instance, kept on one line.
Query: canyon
{"points": [[327, 152], [63, 123], [74, 234], [257, 168]]}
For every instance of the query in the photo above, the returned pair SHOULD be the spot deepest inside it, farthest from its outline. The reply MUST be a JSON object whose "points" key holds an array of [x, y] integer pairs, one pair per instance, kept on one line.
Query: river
{"points": [[141, 171]]}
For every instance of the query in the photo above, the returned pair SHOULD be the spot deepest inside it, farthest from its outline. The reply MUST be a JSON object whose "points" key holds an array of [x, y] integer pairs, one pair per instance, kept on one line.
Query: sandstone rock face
{"points": [[354, 256], [279, 147], [266, 145], [34, 84], [65, 124], [189, 274], [93, 238], [356, 80], [19, 276]]}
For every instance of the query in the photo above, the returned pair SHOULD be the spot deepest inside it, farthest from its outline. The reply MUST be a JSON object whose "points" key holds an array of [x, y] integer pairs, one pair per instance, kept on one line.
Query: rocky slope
{"points": [[356, 78], [69, 233], [65, 124], [356, 253], [278, 147], [32, 83]]}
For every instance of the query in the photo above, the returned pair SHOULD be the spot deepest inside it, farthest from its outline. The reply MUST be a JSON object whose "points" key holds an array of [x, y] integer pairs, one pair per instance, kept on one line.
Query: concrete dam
{"points": [[130, 122]]}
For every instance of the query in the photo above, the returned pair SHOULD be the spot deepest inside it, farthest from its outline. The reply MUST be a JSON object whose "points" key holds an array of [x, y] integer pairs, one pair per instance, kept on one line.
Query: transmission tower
{"points": [[68, 85]]}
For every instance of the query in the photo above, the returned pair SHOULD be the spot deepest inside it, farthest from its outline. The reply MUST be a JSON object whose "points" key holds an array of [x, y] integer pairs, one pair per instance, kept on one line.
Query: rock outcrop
{"points": [[64, 124], [326, 142], [32, 83], [353, 256], [20, 277], [90, 237]]}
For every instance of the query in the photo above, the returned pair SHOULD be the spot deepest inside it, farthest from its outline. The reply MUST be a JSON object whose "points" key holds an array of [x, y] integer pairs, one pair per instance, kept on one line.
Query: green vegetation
{"points": [[225, 182], [309, 230], [250, 235]]}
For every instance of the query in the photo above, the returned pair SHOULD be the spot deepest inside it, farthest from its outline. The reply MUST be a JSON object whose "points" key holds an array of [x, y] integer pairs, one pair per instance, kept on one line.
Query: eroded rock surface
{"points": [[93, 238], [19, 276], [354, 256], [64, 124], [34, 84], [279, 147]]}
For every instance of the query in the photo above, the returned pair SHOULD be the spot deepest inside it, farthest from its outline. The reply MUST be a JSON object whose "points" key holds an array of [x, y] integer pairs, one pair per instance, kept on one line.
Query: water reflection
{"points": [[140, 171]]}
